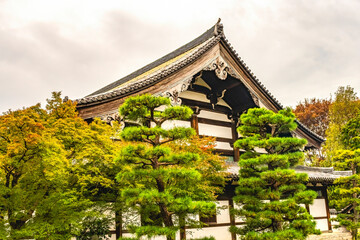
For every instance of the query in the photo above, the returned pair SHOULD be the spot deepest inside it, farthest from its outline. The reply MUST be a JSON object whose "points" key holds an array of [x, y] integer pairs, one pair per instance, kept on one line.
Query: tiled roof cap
{"points": [[325, 175]]}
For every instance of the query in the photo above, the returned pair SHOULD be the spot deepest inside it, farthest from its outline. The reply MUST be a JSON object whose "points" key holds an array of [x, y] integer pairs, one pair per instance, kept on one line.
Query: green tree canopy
{"points": [[52, 165], [345, 107], [269, 193], [167, 177], [347, 192]]}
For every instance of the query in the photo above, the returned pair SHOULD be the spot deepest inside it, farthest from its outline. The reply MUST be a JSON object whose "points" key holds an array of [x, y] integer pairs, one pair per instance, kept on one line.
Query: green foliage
{"points": [[347, 190], [269, 193], [162, 179], [350, 134], [53, 165], [95, 226], [345, 107]]}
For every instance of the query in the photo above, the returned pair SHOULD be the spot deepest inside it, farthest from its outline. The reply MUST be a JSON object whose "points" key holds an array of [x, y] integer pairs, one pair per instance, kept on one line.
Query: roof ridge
{"points": [[215, 30], [150, 80]]}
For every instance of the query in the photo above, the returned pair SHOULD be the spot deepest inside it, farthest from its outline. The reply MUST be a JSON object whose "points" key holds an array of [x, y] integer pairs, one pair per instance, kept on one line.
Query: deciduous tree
{"points": [[345, 107], [314, 114], [347, 191], [50, 166]]}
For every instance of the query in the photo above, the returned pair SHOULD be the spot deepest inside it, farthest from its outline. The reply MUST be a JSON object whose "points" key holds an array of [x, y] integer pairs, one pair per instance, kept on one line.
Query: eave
{"points": [[134, 83]]}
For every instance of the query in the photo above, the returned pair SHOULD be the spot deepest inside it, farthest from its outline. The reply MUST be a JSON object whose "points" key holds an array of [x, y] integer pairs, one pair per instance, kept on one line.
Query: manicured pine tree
{"points": [[347, 191], [164, 184], [269, 195]]}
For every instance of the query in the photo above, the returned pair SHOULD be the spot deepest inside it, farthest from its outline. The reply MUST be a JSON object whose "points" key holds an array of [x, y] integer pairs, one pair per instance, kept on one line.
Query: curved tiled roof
{"points": [[191, 51], [216, 32], [325, 175], [152, 79]]}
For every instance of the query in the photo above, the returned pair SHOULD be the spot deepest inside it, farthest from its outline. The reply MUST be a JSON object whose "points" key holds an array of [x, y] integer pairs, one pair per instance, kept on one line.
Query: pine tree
{"points": [[165, 185], [270, 194], [347, 192]]}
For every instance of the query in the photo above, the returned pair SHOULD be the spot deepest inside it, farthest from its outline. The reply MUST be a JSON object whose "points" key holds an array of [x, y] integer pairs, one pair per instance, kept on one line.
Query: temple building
{"points": [[208, 75]]}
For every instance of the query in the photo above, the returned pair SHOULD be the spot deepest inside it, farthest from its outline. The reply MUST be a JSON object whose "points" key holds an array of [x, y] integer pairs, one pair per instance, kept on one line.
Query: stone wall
{"points": [[331, 236]]}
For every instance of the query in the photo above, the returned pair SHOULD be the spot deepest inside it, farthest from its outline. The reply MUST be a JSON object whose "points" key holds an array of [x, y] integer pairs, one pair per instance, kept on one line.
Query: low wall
{"points": [[331, 236]]}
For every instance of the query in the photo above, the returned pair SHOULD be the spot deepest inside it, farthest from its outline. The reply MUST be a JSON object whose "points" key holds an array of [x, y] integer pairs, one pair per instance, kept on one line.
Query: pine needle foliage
{"points": [[166, 181], [270, 195], [347, 189]]}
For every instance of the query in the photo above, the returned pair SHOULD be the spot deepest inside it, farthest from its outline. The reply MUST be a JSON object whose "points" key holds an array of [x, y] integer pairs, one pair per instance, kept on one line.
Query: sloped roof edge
{"points": [[264, 90], [325, 175], [106, 93], [213, 31]]}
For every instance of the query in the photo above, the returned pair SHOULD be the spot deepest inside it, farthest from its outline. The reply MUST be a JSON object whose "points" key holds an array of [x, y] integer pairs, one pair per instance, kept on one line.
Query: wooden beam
{"points": [[214, 122], [232, 217], [234, 138], [324, 192], [224, 152], [206, 106], [195, 123]]}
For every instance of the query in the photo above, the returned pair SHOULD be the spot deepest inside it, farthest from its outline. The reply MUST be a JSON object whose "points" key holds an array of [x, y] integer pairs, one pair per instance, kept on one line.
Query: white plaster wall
{"points": [[144, 238], [237, 218], [318, 208], [223, 145], [215, 131], [175, 123], [219, 233], [322, 224], [214, 115], [223, 214]]}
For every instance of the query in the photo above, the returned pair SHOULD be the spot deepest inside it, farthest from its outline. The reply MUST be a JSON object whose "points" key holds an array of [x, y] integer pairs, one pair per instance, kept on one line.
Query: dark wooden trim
{"points": [[215, 225], [214, 122], [206, 106], [316, 218], [224, 152], [307, 208], [220, 139], [324, 192], [232, 217], [194, 123], [235, 137]]}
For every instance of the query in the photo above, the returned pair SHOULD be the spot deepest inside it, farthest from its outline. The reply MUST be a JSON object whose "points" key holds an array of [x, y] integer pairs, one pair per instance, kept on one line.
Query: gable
{"points": [[206, 74]]}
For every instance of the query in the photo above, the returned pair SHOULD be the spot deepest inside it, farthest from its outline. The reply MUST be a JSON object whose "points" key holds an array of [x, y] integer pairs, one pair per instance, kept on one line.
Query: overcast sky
{"points": [[297, 49]]}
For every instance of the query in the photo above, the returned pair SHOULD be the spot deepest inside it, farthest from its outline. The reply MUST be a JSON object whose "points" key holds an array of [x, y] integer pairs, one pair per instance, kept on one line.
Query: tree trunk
{"points": [[182, 227], [165, 214], [118, 223]]}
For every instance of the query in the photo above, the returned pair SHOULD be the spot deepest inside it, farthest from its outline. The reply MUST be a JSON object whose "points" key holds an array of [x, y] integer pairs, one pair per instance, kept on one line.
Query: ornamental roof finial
{"points": [[218, 27]]}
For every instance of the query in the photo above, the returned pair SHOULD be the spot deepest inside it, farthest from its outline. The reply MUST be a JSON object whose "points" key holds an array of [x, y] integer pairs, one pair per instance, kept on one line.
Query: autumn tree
{"points": [[314, 114], [269, 193], [347, 191], [48, 159], [166, 181], [346, 106]]}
